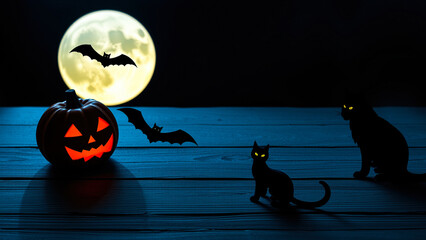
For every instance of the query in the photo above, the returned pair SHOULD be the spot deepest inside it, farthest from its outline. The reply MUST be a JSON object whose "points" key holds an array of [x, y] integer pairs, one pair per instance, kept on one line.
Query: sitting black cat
{"points": [[382, 146], [279, 184]]}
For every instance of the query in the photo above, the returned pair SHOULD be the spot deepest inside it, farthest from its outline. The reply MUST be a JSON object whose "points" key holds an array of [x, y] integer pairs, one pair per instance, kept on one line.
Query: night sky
{"points": [[217, 53]]}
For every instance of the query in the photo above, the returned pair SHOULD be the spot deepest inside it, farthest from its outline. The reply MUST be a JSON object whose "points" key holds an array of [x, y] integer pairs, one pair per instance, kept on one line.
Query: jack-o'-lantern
{"points": [[77, 132]]}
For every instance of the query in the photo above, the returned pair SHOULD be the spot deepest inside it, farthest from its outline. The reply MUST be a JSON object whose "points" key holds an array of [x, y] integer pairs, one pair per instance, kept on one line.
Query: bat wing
{"points": [[87, 50], [178, 136], [136, 118], [121, 60]]}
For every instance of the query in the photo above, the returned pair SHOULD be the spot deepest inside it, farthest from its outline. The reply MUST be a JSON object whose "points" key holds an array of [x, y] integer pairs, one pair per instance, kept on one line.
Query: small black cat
{"points": [[279, 184], [382, 146]]}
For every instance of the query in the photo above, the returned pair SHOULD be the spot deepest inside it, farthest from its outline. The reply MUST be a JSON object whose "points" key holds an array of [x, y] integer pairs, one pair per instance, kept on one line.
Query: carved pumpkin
{"points": [[77, 132]]}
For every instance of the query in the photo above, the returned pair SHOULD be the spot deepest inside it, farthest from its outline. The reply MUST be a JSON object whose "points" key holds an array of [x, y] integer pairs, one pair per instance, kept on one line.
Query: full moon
{"points": [[114, 33]]}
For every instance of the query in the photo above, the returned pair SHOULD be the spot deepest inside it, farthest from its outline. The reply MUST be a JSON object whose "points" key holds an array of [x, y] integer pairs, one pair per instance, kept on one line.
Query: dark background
{"points": [[230, 53]]}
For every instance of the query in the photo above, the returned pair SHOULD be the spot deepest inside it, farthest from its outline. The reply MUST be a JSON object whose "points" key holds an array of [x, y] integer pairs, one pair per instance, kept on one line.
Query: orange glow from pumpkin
{"points": [[89, 154], [102, 124], [73, 132]]}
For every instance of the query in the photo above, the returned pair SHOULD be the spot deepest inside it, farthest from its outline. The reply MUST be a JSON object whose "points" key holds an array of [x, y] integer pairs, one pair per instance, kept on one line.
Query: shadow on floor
{"points": [[60, 200], [405, 192]]}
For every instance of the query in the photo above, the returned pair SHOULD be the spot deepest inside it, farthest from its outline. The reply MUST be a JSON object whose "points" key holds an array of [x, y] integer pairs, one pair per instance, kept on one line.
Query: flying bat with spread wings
{"points": [[105, 60], [154, 134]]}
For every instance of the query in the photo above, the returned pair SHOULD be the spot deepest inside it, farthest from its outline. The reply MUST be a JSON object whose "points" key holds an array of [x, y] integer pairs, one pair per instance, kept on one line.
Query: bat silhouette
{"points": [[105, 60], [154, 134]]}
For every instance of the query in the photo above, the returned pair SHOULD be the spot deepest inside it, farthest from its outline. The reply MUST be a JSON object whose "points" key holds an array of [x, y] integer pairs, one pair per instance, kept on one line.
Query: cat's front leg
{"points": [[260, 191], [365, 167]]}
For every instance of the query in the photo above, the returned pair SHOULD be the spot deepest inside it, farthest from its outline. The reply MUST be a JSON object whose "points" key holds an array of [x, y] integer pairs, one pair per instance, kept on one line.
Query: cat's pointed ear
{"points": [[255, 144], [267, 147]]}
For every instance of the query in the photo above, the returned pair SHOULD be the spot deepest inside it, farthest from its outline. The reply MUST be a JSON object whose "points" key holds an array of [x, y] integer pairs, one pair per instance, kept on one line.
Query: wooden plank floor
{"points": [[163, 191]]}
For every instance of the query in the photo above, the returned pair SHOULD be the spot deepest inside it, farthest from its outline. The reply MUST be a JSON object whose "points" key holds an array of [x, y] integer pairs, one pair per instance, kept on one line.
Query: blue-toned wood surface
{"points": [[163, 191]]}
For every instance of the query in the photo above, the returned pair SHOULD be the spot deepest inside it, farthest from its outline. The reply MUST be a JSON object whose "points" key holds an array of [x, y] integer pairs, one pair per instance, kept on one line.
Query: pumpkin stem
{"points": [[72, 100]]}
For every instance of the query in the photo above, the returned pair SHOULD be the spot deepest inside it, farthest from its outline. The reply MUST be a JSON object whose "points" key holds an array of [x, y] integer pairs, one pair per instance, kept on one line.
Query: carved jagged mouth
{"points": [[89, 154]]}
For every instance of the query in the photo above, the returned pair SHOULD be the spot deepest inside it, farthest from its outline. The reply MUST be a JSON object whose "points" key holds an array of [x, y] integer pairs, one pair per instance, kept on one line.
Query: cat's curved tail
{"points": [[319, 203]]}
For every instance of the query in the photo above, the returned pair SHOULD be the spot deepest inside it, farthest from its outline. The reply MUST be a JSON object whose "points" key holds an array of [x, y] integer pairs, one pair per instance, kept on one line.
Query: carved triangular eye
{"points": [[73, 132], [102, 124]]}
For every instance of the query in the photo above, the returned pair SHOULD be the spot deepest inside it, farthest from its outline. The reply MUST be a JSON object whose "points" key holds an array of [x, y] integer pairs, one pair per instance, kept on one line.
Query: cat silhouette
{"points": [[382, 146], [280, 185]]}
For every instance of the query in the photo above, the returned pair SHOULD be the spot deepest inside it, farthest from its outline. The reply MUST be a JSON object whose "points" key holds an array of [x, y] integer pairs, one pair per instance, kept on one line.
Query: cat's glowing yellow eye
{"points": [[255, 153], [263, 155], [344, 106], [350, 108]]}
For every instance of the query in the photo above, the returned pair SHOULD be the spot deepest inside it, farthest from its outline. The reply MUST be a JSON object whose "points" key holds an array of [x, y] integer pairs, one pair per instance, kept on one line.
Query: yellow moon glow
{"points": [[114, 33]]}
